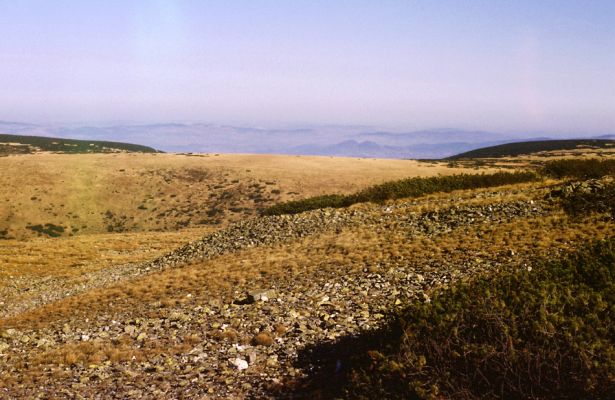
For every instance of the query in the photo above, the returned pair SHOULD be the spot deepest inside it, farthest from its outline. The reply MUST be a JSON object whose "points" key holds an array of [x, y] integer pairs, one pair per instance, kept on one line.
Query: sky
{"points": [[535, 66]]}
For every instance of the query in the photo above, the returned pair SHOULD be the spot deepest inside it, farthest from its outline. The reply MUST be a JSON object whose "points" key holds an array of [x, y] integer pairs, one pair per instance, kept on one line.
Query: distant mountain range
{"points": [[329, 140]]}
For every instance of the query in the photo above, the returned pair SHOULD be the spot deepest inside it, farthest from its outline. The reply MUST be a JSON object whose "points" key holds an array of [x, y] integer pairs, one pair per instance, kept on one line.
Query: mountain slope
{"points": [[530, 147], [19, 144], [184, 325]]}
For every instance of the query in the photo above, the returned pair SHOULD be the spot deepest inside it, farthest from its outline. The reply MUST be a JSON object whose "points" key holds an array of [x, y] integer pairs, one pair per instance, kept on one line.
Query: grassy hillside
{"points": [[184, 323], [532, 147], [177, 281], [18, 144], [47, 195]]}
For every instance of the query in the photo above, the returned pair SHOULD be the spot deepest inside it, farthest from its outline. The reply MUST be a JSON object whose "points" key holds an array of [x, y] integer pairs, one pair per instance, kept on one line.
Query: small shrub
{"points": [[601, 199], [47, 229], [280, 329], [263, 339], [213, 212]]}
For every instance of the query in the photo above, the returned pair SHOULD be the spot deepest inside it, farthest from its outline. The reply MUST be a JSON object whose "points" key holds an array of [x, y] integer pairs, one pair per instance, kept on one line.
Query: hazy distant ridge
{"points": [[326, 140]]}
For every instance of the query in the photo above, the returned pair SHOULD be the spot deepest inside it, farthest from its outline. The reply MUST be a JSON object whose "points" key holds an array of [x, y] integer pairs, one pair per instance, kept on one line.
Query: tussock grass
{"points": [[263, 339], [84, 353], [344, 252], [70, 257]]}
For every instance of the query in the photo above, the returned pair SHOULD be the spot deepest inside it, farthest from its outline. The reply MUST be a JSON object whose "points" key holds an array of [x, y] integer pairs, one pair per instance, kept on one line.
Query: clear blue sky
{"points": [[541, 66]]}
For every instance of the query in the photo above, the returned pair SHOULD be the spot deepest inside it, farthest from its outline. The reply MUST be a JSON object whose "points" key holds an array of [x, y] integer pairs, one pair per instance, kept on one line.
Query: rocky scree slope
{"points": [[268, 230], [318, 305]]}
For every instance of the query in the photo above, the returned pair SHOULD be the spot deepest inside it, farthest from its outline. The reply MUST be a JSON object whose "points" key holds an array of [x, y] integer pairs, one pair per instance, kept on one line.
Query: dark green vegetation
{"points": [[541, 332], [580, 168], [47, 229], [592, 195], [411, 187], [30, 144], [586, 198], [521, 148]]}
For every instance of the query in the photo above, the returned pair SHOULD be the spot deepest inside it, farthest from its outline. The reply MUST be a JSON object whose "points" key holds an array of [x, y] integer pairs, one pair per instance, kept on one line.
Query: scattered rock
{"points": [[260, 295], [239, 363]]}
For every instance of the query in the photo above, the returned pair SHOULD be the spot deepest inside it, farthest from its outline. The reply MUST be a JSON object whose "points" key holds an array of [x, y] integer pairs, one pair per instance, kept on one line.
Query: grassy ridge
{"points": [[70, 145], [519, 148], [411, 187], [541, 332]]}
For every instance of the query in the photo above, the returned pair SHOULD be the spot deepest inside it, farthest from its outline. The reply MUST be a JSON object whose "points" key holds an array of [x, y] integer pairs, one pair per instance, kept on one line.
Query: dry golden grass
{"points": [[217, 279], [67, 257], [96, 193], [352, 249], [92, 352], [73, 256], [86, 194]]}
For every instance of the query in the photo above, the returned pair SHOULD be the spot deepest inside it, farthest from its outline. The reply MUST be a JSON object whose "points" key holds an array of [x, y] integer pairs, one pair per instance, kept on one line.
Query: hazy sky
{"points": [[497, 65]]}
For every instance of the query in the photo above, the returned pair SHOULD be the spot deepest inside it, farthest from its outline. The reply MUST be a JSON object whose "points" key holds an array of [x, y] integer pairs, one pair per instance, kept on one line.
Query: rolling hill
{"points": [[532, 147], [20, 144], [73, 194]]}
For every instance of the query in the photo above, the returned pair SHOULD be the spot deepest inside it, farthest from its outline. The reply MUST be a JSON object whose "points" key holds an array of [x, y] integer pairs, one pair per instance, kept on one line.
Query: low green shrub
{"points": [[601, 199], [47, 229], [541, 332], [581, 168], [411, 187]]}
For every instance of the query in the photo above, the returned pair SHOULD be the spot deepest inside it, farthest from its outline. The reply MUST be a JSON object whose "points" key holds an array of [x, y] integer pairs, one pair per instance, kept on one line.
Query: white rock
{"points": [[239, 363]]}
